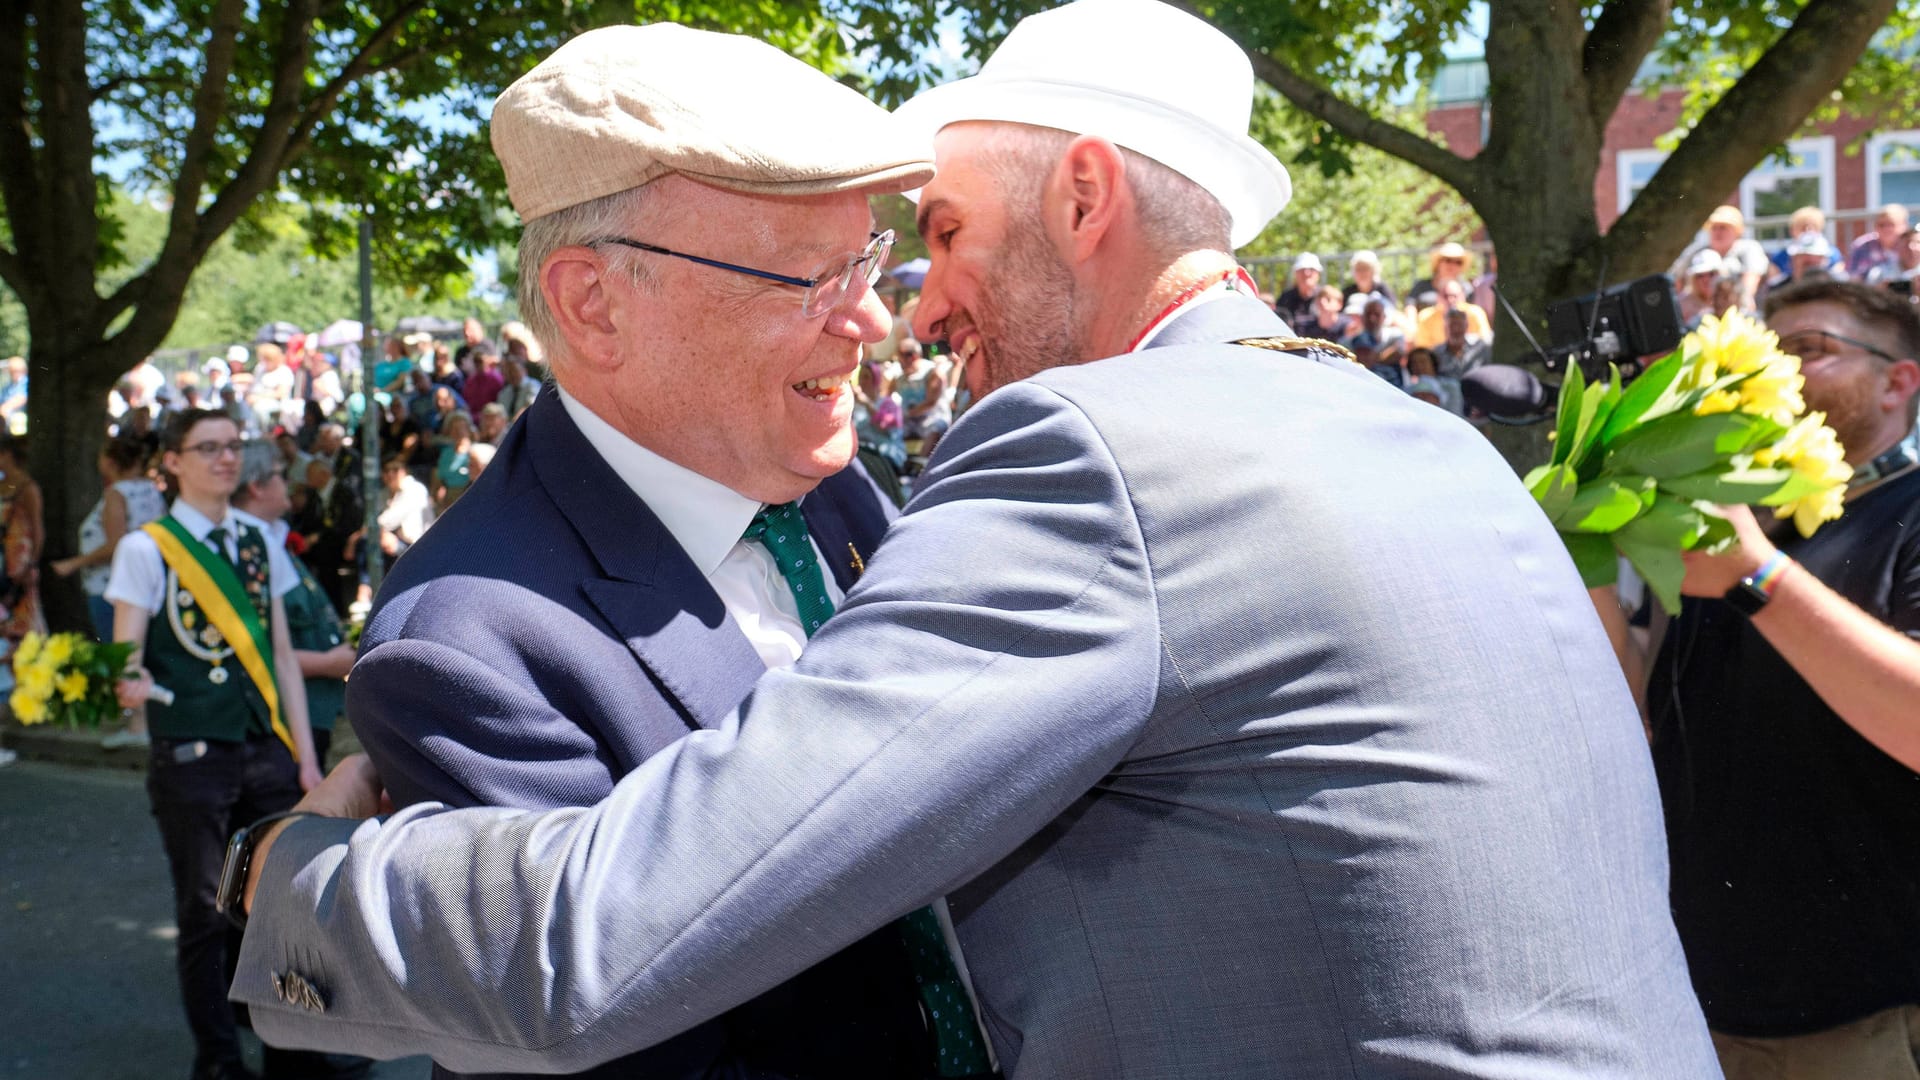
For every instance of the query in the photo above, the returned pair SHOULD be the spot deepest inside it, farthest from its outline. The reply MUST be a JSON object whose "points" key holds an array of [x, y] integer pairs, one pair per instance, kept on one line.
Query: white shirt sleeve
{"points": [[139, 575], [282, 578]]}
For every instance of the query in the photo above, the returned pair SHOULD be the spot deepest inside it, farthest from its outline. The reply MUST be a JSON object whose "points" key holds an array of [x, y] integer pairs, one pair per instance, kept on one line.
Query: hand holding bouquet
{"points": [[66, 677], [1639, 472]]}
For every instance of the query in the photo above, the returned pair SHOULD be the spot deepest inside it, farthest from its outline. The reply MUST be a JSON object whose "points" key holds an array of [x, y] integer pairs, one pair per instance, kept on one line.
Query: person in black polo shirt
{"points": [[1785, 713], [200, 592]]}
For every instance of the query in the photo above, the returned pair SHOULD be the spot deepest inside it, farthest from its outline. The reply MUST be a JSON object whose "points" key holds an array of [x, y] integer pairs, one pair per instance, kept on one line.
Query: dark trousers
{"points": [[201, 791]]}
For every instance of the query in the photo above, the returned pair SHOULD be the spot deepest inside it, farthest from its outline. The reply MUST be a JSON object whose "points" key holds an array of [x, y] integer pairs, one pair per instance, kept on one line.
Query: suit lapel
{"points": [[831, 535], [652, 594]]}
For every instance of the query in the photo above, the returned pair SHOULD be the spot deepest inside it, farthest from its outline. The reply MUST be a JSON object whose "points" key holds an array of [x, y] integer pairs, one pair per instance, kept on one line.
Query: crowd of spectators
{"points": [[304, 404], [1423, 346]]}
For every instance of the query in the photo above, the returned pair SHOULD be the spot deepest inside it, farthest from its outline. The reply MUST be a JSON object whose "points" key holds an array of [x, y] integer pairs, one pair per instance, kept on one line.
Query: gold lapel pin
{"points": [[859, 567]]}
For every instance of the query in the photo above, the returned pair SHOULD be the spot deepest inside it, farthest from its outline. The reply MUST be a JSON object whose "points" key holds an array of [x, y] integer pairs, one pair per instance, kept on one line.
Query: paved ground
{"points": [[86, 932]]}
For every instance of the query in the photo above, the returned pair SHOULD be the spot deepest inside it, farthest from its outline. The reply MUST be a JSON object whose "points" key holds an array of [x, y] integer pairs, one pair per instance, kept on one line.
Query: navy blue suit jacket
{"points": [[545, 637]]}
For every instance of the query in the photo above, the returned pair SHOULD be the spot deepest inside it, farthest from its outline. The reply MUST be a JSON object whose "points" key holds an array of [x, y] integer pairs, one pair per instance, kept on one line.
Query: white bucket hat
{"points": [[1140, 74]]}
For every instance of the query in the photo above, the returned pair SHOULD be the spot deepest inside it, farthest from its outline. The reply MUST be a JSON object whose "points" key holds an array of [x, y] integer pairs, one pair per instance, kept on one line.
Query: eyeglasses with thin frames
{"points": [[825, 290], [211, 449], [1812, 344]]}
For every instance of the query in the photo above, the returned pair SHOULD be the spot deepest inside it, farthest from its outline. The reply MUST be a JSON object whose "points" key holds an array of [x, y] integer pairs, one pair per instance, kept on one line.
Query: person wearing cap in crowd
{"points": [[1213, 797], [1810, 258], [1365, 280], [1447, 262], [699, 270], [1803, 223], [1696, 294], [1741, 258], [1295, 305]]}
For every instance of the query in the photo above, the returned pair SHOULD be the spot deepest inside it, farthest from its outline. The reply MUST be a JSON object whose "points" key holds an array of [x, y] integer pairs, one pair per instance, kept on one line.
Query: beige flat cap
{"points": [[621, 106]]}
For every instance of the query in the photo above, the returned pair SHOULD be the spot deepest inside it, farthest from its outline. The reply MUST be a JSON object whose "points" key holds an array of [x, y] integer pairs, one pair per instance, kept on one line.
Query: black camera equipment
{"points": [[1617, 325]]}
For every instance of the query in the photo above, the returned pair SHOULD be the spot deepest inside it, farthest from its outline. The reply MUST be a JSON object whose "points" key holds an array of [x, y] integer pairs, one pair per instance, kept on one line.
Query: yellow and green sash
{"points": [[214, 584]]}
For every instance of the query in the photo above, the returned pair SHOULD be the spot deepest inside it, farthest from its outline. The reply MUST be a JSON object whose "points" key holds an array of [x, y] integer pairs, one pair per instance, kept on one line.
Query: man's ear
{"points": [[1903, 381], [1093, 195], [574, 280]]}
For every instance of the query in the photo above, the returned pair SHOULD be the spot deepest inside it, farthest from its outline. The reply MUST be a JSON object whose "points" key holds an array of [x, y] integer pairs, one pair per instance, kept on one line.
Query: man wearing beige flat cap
{"points": [[1213, 796], [697, 266]]}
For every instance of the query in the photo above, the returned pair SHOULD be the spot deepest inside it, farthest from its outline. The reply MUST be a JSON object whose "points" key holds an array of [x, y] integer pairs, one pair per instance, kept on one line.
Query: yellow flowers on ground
{"points": [[1815, 455]]}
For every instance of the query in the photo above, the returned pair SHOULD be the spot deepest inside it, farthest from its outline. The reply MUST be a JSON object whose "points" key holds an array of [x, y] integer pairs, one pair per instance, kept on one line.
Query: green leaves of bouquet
{"points": [[1638, 472]]}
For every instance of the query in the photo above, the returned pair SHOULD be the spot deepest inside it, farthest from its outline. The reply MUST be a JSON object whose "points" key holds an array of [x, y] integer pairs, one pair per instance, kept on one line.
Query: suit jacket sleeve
{"points": [[997, 660]]}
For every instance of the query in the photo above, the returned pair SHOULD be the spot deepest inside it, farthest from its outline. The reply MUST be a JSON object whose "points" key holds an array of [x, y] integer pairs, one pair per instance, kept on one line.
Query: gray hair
{"points": [[1181, 215], [259, 461], [583, 223]]}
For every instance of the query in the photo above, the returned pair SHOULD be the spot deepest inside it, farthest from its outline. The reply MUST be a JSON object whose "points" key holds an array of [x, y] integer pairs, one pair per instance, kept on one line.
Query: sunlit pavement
{"points": [[86, 932]]}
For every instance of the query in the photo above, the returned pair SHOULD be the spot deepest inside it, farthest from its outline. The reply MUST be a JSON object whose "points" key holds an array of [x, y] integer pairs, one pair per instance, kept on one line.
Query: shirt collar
{"points": [[1232, 285], [197, 524], [703, 515], [276, 531]]}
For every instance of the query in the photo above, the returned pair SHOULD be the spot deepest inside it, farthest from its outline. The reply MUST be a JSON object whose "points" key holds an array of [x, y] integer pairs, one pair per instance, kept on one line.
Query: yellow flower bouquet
{"points": [[66, 677], [1638, 472]]}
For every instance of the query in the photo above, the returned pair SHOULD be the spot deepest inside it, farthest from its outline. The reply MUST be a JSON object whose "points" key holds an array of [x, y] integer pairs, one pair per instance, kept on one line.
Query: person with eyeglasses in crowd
{"points": [[1781, 705], [199, 593]]}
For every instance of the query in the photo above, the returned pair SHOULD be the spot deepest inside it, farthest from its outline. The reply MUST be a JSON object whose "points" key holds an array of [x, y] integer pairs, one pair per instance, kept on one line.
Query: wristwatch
{"points": [[1754, 591], [229, 899]]}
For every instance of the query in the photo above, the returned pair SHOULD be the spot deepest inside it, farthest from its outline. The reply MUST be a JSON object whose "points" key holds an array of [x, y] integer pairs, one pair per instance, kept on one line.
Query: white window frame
{"points": [[1875, 145], [1821, 144], [1623, 163]]}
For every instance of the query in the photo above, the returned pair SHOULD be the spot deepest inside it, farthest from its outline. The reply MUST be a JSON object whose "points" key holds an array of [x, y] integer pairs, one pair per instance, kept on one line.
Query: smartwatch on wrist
{"points": [[1754, 591], [229, 899]]}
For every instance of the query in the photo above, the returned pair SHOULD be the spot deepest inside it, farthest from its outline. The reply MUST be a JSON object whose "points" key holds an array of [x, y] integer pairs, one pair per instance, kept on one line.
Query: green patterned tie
{"points": [[783, 532]]}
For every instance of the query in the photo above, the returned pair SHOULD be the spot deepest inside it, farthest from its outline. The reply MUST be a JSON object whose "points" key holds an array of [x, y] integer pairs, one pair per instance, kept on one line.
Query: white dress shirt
{"points": [[140, 574], [707, 518]]}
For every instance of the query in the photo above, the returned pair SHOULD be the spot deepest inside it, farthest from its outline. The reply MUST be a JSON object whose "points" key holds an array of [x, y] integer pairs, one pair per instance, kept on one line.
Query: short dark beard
{"points": [[1028, 310]]}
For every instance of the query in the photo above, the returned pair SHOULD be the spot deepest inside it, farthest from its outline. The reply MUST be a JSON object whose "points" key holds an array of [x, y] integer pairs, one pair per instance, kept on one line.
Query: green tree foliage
{"points": [[214, 108]]}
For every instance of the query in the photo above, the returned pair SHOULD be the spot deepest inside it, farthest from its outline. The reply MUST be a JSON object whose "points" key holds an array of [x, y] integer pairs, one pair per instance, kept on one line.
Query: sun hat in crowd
{"points": [[620, 106], [1139, 73], [1364, 258], [1307, 260], [1728, 215], [1449, 250], [237, 356], [1706, 261]]}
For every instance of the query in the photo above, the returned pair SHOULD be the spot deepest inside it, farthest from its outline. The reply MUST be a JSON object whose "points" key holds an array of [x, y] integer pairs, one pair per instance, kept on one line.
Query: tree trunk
{"points": [[66, 421]]}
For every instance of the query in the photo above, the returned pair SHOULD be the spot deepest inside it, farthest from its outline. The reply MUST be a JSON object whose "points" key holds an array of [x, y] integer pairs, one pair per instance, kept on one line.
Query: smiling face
{"points": [[721, 371], [997, 291]]}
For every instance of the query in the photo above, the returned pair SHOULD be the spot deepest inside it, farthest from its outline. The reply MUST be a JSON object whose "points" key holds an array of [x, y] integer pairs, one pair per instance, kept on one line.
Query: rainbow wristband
{"points": [[1767, 578]]}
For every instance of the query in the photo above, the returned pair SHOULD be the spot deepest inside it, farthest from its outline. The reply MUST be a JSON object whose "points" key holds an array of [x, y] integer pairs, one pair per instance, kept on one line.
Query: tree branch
{"points": [[1620, 39], [66, 172], [280, 144], [1353, 122], [1761, 111]]}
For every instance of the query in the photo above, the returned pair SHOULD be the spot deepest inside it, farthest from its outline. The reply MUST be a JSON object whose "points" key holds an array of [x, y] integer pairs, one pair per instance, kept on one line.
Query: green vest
{"points": [[314, 627], [212, 696]]}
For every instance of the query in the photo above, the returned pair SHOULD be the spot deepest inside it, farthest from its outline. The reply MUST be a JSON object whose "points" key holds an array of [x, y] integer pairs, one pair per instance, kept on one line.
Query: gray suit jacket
{"points": [[1250, 711]]}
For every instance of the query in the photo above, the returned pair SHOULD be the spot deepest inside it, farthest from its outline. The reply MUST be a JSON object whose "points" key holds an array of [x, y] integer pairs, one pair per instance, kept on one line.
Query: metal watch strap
{"points": [[229, 899]]}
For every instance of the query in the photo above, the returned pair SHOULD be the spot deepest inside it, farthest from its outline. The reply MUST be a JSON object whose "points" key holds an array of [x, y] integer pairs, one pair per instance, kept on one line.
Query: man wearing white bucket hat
{"points": [[1212, 796]]}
